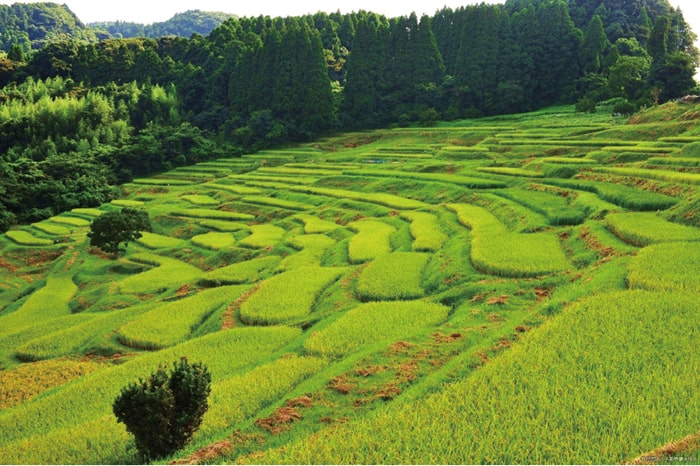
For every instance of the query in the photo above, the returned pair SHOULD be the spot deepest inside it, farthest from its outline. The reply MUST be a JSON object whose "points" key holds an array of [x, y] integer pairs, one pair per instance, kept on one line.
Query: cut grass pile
{"points": [[670, 267], [167, 273], [213, 214], [288, 296], [214, 240], [645, 228], [25, 238], [173, 322], [395, 276], [371, 240], [496, 251], [426, 231], [263, 236], [562, 395], [373, 323], [156, 241]]}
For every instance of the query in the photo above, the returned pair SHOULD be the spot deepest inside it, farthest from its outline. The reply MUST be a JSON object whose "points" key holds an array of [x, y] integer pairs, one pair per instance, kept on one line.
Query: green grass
{"points": [[371, 241], [394, 276], [173, 322], [373, 323], [643, 229], [288, 296]]}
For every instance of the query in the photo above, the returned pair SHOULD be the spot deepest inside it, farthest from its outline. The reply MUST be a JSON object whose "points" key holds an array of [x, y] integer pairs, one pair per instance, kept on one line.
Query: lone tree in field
{"points": [[110, 230], [165, 410]]}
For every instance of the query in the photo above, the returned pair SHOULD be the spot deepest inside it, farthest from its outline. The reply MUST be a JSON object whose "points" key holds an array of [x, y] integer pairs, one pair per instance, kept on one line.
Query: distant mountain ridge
{"points": [[32, 25]]}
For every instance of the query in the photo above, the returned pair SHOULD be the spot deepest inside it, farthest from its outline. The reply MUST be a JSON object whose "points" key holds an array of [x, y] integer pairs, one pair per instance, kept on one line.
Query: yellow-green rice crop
{"points": [[25, 238], [556, 208], [393, 276], [312, 249], [127, 203], [568, 160], [670, 267], [90, 212], [51, 229], [426, 231], [372, 323], [313, 224], [288, 296], [274, 202], [24, 382], [235, 188], [297, 171], [223, 225], [467, 181], [162, 182], [621, 195], [645, 228], [156, 241], [173, 322], [213, 214], [388, 200], [263, 236], [570, 392], [72, 221], [243, 272], [511, 171], [497, 251], [87, 402], [663, 175], [46, 303], [167, 273], [371, 240], [201, 199], [214, 240]]}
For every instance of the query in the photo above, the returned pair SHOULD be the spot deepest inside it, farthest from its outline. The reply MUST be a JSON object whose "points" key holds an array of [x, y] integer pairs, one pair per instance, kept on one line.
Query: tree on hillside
{"points": [[109, 231]]}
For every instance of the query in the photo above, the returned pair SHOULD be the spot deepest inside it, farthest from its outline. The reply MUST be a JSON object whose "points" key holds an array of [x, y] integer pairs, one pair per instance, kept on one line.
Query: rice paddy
{"points": [[520, 289]]}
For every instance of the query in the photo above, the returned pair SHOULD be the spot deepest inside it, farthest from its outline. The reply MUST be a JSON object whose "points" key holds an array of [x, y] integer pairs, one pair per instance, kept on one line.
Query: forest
{"points": [[79, 116]]}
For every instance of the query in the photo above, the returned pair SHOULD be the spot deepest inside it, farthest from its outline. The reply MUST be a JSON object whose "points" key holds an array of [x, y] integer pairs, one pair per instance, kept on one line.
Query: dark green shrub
{"points": [[586, 105], [109, 231], [165, 410]]}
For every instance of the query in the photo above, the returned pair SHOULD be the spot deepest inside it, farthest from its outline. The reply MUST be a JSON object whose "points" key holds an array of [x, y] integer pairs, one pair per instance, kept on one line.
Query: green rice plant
{"points": [[663, 175], [127, 203], [51, 229], [25, 238], [496, 251], [173, 322], [89, 212], [394, 276], [288, 296], [373, 323], [27, 381], [645, 228], [239, 397], [44, 304], [567, 160], [466, 181], [156, 241], [388, 200], [315, 225], [167, 273], [234, 188], [618, 194], [162, 182], [243, 272], [556, 208], [274, 202], [263, 236], [214, 240], [223, 225], [371, 241], [72, 221], [285, 170], [642, 149], [511, 171], [426, 231], [212, 214], [675, 161], [201, 199], [561, 395], [311, 250], [254, 179], [670, 267], [81, 411]]}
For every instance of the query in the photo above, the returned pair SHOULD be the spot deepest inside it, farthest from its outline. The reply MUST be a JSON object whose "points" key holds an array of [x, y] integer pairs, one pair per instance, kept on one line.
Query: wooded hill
{"points": [[261, 82]]}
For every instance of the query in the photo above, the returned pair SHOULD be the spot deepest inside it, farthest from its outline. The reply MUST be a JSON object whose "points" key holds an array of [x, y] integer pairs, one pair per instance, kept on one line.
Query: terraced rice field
{"points": [[520, 289]]}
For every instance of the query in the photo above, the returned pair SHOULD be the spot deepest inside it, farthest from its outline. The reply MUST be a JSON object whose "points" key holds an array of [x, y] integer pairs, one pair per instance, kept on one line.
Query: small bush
{"points": [[164, 411]]}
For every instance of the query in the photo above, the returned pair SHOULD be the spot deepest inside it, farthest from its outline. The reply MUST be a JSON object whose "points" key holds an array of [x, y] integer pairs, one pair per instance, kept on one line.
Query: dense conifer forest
{"points": [[79, 115]]}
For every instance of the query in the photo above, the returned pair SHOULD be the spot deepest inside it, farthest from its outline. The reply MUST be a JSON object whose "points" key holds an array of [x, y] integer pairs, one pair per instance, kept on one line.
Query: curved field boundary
{"points": [[670, 267], [388, 200], [425, 230], [466, 181], [166, 273], [311, 250], [314, 225], [645, 228], [243, 272], [156, 241], [263, 236], [371, 240], [394, 276], [212, 214], [662, 175], [25, 238], [214, 240], [288, 296], [373, 323]]}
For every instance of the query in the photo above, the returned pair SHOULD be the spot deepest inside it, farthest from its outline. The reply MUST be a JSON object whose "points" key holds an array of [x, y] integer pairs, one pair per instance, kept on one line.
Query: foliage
{"points": [[109, 231], [182, 24], [393, 276], [163, 411]]}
